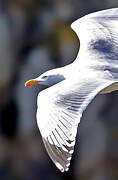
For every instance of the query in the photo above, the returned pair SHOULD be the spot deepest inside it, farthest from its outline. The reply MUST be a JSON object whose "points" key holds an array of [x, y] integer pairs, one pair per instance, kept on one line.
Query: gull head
{"points": [[48, 78]]}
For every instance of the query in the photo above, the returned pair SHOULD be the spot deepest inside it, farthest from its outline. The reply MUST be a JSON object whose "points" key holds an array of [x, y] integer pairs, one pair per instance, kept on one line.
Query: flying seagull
{"points": [[71, 88]]}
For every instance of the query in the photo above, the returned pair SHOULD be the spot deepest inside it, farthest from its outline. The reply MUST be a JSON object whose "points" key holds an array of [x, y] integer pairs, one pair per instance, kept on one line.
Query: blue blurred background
{"points": [[35, 36]]}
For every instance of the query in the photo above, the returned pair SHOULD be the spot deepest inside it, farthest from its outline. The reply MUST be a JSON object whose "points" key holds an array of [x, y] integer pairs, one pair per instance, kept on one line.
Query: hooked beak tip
{"points": [[31, 83]]}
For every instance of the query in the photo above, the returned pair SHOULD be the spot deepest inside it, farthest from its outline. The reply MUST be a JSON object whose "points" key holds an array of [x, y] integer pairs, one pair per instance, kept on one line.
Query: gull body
{"points": [[72, 87]]}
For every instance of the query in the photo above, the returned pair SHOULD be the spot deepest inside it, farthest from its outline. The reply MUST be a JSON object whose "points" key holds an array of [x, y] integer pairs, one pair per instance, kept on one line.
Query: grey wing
{"points": [[98, 34], [59, 111]]}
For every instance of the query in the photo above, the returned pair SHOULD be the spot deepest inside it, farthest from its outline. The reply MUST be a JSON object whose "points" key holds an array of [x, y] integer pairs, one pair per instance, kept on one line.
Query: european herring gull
{"points": [[72, 87]]}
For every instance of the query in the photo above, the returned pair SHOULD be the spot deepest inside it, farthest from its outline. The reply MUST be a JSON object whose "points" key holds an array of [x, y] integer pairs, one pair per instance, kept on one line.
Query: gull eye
{"points": [[44, 77]]}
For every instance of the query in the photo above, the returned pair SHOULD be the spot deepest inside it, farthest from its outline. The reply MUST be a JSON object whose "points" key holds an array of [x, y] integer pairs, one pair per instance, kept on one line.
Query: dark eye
{"points": [[44, 77]]}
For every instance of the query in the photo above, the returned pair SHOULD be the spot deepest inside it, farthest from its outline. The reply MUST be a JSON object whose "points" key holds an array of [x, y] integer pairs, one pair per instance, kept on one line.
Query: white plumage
{"points": [[73, 87]]}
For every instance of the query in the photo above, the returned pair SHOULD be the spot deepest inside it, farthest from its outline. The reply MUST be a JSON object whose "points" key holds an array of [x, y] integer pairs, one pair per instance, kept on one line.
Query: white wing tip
{"points": [[66, 169], [59, 167], [71, 151], [69, 158], [68, 164]]}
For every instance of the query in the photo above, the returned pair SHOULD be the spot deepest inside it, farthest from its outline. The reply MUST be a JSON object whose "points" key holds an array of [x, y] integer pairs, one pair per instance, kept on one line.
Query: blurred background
{"points": [[35, 36]]}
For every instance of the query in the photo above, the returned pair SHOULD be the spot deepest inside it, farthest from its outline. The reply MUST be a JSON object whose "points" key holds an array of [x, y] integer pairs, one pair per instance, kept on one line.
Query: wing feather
{"points": [[60, 108], [98, 34]]}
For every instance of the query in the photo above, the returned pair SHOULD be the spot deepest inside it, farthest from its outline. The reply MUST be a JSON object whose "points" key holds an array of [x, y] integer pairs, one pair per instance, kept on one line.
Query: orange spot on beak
{"points": [[31, 83]]}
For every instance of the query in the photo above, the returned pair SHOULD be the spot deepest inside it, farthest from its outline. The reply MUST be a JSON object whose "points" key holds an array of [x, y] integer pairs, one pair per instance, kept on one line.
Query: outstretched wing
{"points": [[59, 111], [98, 34]]}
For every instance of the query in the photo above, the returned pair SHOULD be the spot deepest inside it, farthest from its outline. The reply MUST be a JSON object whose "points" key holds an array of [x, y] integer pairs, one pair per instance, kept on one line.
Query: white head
{"points": [[48, 78]]}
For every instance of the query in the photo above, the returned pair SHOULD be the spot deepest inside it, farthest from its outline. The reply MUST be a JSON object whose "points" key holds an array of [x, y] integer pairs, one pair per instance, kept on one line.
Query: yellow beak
{"points": [[31, 82]]}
